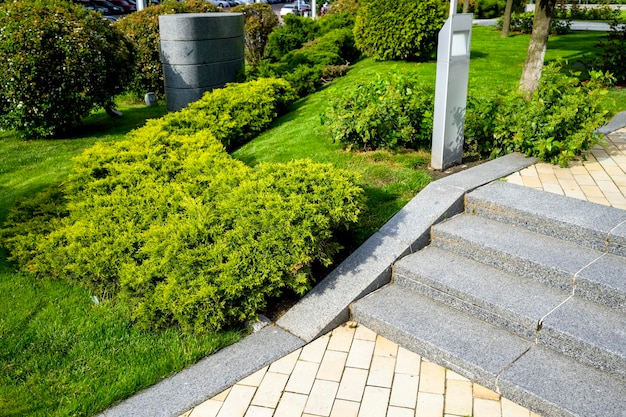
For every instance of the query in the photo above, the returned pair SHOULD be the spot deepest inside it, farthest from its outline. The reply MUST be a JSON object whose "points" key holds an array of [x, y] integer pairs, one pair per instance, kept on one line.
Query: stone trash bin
{"points": [[199, 52]]}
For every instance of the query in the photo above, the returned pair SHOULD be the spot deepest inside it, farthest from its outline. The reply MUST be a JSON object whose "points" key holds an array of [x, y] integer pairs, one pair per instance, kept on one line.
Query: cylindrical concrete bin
{"points": [[199, 52]]}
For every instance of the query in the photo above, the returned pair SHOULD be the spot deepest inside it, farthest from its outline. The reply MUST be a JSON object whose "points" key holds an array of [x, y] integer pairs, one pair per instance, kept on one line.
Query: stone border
{"points": [[327, 305]]}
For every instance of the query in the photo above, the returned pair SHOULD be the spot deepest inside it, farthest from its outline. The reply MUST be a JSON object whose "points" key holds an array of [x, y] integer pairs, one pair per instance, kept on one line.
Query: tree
{"points": [[506, 23], [537, 47]]}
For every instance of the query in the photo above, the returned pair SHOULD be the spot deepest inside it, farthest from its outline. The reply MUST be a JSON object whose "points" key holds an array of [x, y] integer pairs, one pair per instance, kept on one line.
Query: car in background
{"points": [[113, 9], [128, 8], [288, 9], [220, 3], [298, 8], [89, 5]]}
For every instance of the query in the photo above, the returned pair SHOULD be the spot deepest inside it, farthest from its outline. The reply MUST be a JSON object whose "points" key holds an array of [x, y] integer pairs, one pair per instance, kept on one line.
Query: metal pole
{"points": [[453, 4]]}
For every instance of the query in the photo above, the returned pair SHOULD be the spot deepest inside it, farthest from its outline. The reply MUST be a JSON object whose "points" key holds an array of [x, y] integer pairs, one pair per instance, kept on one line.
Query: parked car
{"points": [[113, 9], [220, 3], [287, 9], [128, 8], [95, 7]]}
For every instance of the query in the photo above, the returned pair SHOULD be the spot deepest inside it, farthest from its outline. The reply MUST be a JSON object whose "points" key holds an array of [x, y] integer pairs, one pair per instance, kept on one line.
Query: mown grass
{"points": [[63, 355]]}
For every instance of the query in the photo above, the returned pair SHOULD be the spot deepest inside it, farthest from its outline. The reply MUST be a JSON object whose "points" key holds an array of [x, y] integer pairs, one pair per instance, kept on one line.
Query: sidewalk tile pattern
{"points": [[353, 372]]}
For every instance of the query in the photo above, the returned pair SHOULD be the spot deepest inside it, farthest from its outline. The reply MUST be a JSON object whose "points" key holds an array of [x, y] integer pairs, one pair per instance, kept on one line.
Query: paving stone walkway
{"points": [[353, 372]]}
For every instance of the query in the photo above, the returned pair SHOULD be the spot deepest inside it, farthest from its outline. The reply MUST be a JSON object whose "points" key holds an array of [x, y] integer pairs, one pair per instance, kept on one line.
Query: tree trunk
{"points": [[466, 6], [537, 47], [506, 23]]}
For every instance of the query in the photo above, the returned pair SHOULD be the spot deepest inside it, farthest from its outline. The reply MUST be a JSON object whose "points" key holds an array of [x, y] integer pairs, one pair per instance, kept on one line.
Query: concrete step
{"points": [[591, 225], [585, 272], [589, 332], [546, 382]]}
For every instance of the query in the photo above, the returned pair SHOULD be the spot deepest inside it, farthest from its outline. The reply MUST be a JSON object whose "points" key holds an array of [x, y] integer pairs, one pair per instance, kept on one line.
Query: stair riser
{"points": [[521, 326], [545, 274]]}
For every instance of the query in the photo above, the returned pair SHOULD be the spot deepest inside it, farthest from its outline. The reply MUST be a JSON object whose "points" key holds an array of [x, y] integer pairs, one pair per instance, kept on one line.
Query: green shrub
{"points": [[59, 63], [556, 124], [386, 113], [295, 32], [488, 9], [235, 114], [306, 68], [180, 231], [611, 54], [142, 29], [523, 23], [260, 21], [343, 6], [399, 29], [576, 12]]}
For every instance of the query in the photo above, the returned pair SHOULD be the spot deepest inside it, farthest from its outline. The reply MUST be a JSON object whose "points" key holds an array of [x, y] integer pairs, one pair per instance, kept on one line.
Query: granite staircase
{"points": [[524, 293]]}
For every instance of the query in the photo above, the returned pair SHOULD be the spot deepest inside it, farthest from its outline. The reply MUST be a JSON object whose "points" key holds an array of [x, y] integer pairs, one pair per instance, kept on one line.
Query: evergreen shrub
{"points": [[399, 29], [295, 32], [523, 23], [142, 30], [179, 230], [611, 54], [59, 62]]}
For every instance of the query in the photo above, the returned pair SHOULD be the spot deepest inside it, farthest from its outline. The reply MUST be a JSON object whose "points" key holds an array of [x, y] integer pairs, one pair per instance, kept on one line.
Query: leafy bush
{"points": [[612, 52], [59, 62], [488, 9], [399, 29], [260, 21], [306, 68], [295, 32], [343, 6], [386, 113], [182, 232], [142, 29], [523, 23], [576, 12], [556, 124]]}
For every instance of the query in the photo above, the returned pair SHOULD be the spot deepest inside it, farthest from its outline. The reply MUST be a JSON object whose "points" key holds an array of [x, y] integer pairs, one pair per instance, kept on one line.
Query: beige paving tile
{"points": [[385, 347], [332, 365], [614, 171], [532, 182], [515, 178], [255, 411], [563, 174], [381, 371], [598, 200], [237, 401], [567, 184], [270, 390], [615, 198], [314, 351], [530, 171], [544, 168], [404, 391], [453, 375], [186, 414], [584, 179], [343, 408], [429, 405], [209, 408], [576, 194], [481, 392], [458, 397], [255, 379], [375, 402], [591, 191], [302, 377], [486, 408], [408, 362], [322, 397], [352, 384], [222, 395], [548, 178], [553, 188], [341, 337], [511, 409], [363, 333], [285, 364], [600, 176], [432, 378], [399, 412], [619, 180], [360, 354], [290, 405], [608, 187]]}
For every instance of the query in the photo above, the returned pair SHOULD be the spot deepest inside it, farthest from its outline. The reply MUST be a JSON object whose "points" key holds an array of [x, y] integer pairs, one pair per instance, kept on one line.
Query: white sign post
{"points": [[453, 56]]}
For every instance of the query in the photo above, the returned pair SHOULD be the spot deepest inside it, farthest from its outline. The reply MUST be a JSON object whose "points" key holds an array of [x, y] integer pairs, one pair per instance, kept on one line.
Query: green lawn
{"points": [[63, 355]]}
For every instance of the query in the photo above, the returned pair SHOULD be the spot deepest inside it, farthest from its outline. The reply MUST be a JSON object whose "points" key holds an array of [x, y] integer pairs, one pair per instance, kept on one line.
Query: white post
{"points": [[142, 4], [453, 54]]}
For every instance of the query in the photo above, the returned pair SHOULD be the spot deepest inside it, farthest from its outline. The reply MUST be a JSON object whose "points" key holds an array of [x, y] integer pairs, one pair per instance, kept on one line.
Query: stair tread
{"points": [[527, 205], [536, 377], [545, 258], [582, 328]]}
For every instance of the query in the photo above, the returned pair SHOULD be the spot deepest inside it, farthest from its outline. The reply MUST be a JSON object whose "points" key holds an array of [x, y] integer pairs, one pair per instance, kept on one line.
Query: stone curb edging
{"points": [[327, 305]]}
